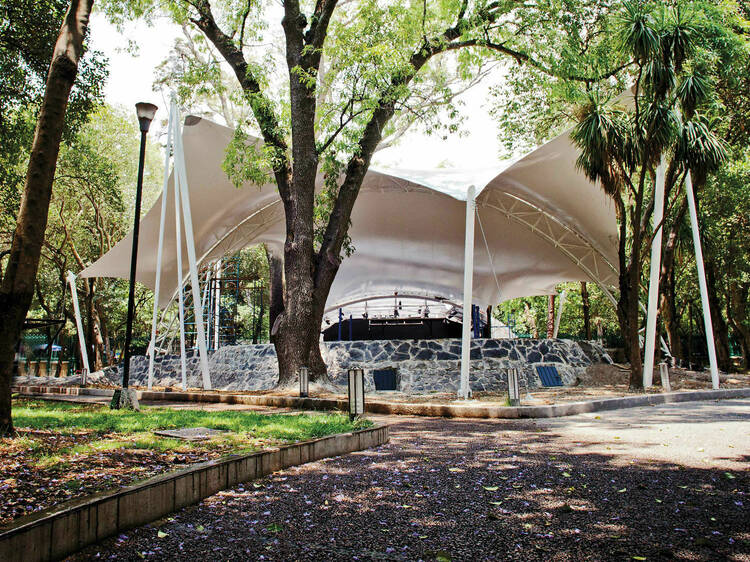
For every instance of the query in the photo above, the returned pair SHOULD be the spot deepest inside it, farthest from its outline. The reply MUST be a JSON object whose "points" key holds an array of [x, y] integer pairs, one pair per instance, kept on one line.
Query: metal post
{"points": [[558, 316], [180, 295], [514, 392], [702, 282], [133, 264], [217, 304], [304, 382], [160, 247], [653, 284], [185, 196], [79, 326], [463, 389], [341, 320], [350, 328], [664, 373]]}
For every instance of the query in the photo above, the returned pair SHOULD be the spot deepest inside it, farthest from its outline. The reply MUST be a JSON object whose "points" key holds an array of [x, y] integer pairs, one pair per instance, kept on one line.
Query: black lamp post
{"points": [[146, 112]]}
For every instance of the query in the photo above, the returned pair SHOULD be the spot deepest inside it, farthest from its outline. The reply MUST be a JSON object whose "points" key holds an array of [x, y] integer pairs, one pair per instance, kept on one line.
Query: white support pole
{"points": [[79, 326], [217, 303], [206, 283], [702, 282], [159, 251], [653, 284], [190, 241], [463, 389], [560, 306], [180, 297]]}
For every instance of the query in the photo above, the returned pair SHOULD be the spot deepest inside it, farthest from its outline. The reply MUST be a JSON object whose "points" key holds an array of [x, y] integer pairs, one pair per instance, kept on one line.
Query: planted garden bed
{"points": [[64, 451]]}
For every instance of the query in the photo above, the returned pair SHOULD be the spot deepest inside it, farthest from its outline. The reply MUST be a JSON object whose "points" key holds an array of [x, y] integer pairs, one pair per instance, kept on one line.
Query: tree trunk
{"points": [[550, 316], [18, 282], [586, 311], [93, 332], [721, 332], [667, 285], [487, 332], [275, 289], [628, 315], [737, 314]]}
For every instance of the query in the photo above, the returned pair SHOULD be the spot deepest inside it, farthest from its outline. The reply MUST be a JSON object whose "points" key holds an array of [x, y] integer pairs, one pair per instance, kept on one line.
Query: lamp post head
{"points": [[145, 112]]}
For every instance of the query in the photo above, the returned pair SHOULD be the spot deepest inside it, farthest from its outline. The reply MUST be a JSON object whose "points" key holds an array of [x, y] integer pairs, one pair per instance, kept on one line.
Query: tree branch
{"points": [[261, 106]]}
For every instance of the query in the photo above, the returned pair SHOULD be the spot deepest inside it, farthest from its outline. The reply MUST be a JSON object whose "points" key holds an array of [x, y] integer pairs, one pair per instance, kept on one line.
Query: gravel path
{"points": [[656, 483]]}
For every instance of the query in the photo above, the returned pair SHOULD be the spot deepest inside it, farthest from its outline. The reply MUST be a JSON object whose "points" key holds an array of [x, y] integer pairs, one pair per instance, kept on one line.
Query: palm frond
{"points": [[699, 148], [638, 33], [692, 91]]}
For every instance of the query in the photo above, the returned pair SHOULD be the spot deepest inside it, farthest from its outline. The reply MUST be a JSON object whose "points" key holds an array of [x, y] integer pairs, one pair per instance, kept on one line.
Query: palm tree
{"points": [[622, 146]]}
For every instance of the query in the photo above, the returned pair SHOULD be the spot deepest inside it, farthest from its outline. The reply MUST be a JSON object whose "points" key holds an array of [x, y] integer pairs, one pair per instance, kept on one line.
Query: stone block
{"points": [[290, 456], [65, 534], [146, 504], [495, 352], [32, 543], [107, 520], [216, 479]]}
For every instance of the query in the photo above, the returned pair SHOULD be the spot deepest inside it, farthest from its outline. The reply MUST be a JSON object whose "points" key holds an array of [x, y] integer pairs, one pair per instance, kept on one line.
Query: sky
{"points": [[131, 76]]}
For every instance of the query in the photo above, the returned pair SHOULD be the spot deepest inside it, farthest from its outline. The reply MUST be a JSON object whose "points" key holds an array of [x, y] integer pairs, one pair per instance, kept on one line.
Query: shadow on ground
{"points": [[462, 490]]}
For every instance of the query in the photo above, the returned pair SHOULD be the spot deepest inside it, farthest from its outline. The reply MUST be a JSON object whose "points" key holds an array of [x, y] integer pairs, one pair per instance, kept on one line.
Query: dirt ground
{"points": [[599, 381], [29, 482]]}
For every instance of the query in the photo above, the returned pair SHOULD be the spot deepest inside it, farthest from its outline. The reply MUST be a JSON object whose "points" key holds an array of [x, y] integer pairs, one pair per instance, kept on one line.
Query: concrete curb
{"points": [[59, 531], [414, 409]]}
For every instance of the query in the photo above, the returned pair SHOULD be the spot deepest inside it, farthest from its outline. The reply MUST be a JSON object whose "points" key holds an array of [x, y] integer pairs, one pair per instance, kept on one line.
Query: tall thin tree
{"points": [[17, 288]]}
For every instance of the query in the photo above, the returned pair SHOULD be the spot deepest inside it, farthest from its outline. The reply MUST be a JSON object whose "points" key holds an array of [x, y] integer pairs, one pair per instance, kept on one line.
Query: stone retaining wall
{"points": [[422, 365]]}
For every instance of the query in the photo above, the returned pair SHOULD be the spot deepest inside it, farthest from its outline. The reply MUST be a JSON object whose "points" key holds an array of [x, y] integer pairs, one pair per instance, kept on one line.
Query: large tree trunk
{"points": [[586, 311], [275, 290], [309, 274], [18, 282], [721, 332]]}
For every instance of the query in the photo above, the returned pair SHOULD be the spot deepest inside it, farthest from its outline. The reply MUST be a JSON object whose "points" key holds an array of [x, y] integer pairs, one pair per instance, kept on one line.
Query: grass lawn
{"points": [[69, 450]]}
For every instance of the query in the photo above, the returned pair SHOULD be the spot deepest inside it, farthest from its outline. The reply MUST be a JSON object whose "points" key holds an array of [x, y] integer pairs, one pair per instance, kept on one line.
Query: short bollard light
{"points": [[356, 393], [664, 372], [514, 392], [304, 382]]}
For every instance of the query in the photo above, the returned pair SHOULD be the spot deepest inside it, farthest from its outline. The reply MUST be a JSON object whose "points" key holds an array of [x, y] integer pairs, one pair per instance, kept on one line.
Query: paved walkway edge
{"points": [[59, 531], [418, 409]]}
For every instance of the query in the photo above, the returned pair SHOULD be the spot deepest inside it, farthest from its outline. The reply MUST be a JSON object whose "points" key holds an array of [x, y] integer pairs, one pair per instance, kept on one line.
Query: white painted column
{"points": [[653, 284], [702, 281], [463, 389], [560, 305], [206, 283], [180, 296], [79, 326], [190, 241], [217, 303], [160, 248]]}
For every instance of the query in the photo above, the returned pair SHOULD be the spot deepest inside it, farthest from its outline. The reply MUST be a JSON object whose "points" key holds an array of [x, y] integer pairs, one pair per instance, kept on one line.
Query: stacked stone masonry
{"points": [[422, 366]]}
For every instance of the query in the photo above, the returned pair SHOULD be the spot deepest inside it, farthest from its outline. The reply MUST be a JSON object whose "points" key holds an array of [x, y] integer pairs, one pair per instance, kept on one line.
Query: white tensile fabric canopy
{"points": [[540, 222]]}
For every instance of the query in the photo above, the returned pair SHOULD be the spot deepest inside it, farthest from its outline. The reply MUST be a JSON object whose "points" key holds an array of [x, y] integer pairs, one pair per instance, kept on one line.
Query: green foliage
{"points": [[526, 313], [685, 63], [93, 200], [248, 161], [28, 31]]}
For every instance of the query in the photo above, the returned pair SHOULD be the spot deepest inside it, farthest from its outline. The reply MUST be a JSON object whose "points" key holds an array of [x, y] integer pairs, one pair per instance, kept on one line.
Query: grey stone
{"points": [[424, 366]]}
